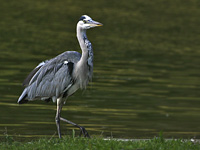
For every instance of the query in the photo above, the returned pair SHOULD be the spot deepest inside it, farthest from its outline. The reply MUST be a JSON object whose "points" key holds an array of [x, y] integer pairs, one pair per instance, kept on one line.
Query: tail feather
{"points": [[22, 99]]}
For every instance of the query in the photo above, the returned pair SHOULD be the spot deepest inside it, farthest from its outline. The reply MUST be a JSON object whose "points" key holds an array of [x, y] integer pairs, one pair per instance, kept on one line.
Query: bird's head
{"points": [[85, 22]]}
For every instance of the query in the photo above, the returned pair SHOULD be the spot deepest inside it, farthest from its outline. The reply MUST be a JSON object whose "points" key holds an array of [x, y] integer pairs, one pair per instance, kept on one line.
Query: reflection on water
{"points": [[144, 81]]}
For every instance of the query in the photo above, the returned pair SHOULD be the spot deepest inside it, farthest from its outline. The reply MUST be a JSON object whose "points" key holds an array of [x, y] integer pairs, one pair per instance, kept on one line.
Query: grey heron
{"points": [[60, 77]]}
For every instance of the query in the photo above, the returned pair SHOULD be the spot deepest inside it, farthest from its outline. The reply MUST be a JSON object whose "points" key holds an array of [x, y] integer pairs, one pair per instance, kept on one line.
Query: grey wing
{"points": [[51, 78], [70, 56], [51, 81]]}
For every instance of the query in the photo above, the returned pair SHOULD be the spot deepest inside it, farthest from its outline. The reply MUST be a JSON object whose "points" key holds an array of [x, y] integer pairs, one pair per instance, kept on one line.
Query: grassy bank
{"points": [[98, 144]]}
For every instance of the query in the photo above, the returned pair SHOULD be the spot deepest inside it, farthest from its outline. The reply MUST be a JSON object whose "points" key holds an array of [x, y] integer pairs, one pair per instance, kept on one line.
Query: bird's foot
{"points": [[84, 132]]}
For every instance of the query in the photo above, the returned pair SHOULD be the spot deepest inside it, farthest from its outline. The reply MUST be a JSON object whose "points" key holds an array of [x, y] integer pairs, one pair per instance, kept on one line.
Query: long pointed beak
{"points": [[95, 24]]}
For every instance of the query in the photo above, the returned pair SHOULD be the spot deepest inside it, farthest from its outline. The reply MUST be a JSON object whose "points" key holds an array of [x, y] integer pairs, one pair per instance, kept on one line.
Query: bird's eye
{"points": [[85, 21]]}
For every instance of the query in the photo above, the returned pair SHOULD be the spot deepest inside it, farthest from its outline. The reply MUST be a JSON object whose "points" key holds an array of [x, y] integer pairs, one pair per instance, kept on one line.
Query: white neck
{"points": [[83, 68], [81, 35]]}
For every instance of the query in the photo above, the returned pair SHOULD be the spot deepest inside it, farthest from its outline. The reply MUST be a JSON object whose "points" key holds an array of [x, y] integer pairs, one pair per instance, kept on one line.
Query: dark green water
{"points": [[146, 68]]}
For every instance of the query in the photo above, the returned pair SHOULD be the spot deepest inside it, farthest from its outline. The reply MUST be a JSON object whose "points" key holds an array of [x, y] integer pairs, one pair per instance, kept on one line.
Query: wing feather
{"points": [[70, 56], [32, 73], [51, 78]]}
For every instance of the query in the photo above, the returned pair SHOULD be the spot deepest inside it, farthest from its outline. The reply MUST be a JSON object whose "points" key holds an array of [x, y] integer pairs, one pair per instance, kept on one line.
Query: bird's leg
{"points": [[83, 131], [57, 118]]}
